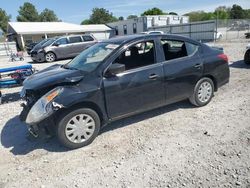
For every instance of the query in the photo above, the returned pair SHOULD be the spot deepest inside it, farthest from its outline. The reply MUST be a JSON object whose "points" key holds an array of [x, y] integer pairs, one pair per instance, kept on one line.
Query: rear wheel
{"points": [[78, 128], [203, 92], [247, 57], [50, 57]]}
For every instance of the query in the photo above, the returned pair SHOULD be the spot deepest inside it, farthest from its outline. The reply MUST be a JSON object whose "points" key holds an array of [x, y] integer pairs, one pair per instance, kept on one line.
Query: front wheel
{"points": [[50, 57], [247, 57], [78, 128], [203, 92]]}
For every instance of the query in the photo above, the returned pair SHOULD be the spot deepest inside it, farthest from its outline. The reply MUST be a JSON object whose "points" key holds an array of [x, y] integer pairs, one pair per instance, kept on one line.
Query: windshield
{"points": [[40, 44], [90, 58], [49, 42]]}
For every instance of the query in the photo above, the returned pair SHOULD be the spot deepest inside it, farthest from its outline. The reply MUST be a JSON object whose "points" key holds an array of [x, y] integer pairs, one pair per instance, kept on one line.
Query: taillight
{"points": [[223, 57]]}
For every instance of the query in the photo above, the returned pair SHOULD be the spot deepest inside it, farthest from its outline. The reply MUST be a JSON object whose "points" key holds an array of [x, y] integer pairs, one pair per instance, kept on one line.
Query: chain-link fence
{"points": [[233, 29]]}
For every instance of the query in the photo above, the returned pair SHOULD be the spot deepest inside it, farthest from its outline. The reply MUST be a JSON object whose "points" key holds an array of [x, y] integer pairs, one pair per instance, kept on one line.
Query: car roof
{"points": [[129, 38]]}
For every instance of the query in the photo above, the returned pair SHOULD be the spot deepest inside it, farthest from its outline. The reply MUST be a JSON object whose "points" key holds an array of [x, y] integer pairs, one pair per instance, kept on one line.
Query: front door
{"points": [[140, 87]]}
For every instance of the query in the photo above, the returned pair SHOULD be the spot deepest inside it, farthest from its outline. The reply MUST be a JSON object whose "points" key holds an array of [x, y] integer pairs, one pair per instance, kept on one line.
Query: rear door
{"points": [[87, 42], [183, 67], [140, 87], [76, 44]]}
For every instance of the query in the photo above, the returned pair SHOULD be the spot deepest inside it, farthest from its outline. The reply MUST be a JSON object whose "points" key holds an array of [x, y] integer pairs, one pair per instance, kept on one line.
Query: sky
{"points": [[75, 11]]}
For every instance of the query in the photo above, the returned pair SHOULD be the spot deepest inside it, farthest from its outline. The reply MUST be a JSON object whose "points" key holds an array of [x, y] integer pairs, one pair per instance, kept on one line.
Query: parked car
{"points": [[247, 55], [117, 78], [62, 47], [218, 35], [36, 53], [30, 46]]}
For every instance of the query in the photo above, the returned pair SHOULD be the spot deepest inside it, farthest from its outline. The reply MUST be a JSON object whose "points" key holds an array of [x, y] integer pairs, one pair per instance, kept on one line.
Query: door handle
{"points": [[153, 76], [198, 65]]}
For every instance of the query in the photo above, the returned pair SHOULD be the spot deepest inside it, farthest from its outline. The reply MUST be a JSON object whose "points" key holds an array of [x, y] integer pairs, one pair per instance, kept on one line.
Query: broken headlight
{"points": [[43, 107]]}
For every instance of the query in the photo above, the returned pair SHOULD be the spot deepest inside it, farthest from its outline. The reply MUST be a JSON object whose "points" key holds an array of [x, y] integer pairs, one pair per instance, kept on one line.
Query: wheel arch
{"points": [[85, 104], [213, 79], [50, 51]]}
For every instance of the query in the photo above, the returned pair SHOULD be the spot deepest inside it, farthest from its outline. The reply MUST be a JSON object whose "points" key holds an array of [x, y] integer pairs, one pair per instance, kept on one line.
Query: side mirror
{"points": [[115, 68], [57, 44]]}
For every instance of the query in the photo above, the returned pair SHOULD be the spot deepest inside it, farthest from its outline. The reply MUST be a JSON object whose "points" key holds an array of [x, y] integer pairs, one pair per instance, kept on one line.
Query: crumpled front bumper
{"points": [[39, 129]]}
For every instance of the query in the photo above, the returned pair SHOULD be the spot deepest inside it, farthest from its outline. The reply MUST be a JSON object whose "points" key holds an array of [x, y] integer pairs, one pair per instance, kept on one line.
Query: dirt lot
{"points": [[174, 146]]}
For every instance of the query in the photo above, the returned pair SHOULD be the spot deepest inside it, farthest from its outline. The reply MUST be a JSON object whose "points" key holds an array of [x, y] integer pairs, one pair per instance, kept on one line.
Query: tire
{"points": [[50, 57], [82, 121], [247, 57], [203, 92]]}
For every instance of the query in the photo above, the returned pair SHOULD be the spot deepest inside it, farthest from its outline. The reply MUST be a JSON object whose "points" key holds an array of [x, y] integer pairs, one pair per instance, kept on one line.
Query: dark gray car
{"points": [[63, 47]]}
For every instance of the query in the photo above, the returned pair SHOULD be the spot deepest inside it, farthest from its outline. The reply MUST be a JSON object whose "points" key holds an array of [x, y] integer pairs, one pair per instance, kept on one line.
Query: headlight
{"points": [[43, 107]]}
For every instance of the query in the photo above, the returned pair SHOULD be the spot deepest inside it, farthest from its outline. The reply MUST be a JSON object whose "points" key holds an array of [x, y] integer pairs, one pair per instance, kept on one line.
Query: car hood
{"points": [[52, 76]]}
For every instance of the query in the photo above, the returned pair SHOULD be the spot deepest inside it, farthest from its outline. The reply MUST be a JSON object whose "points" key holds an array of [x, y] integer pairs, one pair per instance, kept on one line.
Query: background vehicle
{"points": [[30, 46], [152, 32], [63, 47], [37, 52], [247, 55], [118, 78]]}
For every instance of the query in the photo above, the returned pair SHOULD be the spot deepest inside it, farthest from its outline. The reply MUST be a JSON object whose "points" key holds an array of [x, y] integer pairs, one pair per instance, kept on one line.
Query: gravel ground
{"points": [[174, 146]]}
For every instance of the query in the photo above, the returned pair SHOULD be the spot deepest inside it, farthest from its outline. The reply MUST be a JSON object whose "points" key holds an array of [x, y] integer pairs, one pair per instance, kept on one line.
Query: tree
{"points": [[200, 16], [100, 16], [121, 18], [28, 13], [4, 19], [237, 12], [172, 13], [86, 22], [153, 11], [48, 16], [132, 17]]}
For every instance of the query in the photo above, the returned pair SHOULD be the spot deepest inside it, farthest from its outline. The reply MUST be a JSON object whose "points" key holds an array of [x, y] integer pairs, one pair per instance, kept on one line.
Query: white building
{"points": [[26, 32], [142, 24]]}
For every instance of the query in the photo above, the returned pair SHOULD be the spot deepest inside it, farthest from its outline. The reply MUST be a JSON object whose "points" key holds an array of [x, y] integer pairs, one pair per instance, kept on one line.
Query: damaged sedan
{"points": [[118, 78]]}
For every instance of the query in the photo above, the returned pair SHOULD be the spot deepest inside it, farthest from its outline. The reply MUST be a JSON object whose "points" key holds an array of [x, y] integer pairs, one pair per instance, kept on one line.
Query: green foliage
{"points": [[132, 16], [86, 22], [4, 19], [237, 12], [48, 15], [200, 16], [172, 13], [121, 18], [28, 13], [100, 16], [153, 11], [222, 13]]}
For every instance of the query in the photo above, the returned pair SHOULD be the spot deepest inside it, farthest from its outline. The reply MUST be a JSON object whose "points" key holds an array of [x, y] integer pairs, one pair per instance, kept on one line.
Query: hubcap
{"points": [[205, 92], [80, 128], [50, 57]]}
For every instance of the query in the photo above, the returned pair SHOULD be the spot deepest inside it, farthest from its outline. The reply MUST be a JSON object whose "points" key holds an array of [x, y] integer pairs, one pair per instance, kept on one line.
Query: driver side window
{"points": [[138, 55]]}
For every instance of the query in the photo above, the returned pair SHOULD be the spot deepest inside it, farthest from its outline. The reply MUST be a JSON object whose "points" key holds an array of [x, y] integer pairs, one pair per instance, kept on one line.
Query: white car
{"points": [[247, 55], [218, 35], [152, 32]]}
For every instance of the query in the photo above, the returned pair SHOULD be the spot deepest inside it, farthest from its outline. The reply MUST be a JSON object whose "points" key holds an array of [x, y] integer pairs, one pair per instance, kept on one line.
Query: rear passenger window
{"points": [[174, 49], [87, 38], [75, 39], [191, 48], [138, 55]]}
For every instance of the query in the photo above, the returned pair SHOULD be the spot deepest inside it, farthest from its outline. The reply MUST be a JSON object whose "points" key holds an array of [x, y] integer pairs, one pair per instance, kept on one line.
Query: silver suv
{"points": [[62, 47]]}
